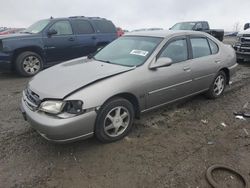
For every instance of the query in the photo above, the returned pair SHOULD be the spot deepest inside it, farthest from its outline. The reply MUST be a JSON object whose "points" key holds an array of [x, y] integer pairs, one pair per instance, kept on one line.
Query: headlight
{"points": [[52, 107], [57, 107], [73, 107]]}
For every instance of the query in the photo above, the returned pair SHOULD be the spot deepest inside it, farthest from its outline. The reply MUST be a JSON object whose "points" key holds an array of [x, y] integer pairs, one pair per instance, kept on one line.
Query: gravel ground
{"points": [[170, 147]]}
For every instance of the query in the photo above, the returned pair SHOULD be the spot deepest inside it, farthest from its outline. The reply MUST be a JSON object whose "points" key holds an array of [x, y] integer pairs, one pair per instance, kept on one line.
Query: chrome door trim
{"points": [[165, 88]]}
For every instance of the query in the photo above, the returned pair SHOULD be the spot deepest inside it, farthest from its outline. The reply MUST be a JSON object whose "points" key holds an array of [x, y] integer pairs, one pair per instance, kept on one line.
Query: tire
{"points": [[240, 60], [113, 124], [218, 86], [28, 63]]}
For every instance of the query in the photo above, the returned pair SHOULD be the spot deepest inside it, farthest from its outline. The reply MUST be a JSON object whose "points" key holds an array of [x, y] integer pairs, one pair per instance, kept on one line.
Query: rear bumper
{"points": [[5, 62], [232, 71]]}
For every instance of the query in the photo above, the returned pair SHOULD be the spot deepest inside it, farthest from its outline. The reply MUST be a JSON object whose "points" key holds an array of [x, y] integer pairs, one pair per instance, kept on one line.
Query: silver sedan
{"points": [[102, 94]]}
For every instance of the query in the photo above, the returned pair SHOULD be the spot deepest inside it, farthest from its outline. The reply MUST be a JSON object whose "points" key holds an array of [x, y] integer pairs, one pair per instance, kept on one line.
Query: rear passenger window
{"points": [[62, 28], [176, 50], [214, 47], [83, 27], [105, 26], [200, 47]]}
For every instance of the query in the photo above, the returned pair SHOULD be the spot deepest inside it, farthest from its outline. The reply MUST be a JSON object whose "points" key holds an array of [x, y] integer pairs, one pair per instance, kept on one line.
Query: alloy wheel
{"points": [[116, 121], [31, 64], [219, 85]]}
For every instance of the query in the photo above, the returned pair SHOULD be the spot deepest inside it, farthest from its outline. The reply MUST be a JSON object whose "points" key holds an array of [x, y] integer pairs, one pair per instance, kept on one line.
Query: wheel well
{"points": [[34, 49], [131, 98], [226, 71]]}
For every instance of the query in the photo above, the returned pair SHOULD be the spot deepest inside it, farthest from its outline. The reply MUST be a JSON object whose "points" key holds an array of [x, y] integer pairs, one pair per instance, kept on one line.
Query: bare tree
{"points": [[237, 26]]}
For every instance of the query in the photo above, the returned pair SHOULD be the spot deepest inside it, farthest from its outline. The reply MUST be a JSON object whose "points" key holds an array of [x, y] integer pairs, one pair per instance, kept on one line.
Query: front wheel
{"points": [[114, 120], [28, 63], [218, 86]]}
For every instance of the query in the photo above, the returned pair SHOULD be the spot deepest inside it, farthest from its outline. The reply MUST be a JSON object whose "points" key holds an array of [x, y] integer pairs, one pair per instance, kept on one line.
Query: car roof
{"points": [[164, 33], [77, 18]]}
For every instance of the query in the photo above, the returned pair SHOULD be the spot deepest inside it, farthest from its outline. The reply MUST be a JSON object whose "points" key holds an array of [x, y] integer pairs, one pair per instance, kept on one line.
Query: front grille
{"points": [[245, 40], [246, 35], [31, 99]]}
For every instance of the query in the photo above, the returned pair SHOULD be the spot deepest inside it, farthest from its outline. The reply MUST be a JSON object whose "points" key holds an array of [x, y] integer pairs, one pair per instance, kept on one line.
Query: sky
{"points": [[129, 14]]}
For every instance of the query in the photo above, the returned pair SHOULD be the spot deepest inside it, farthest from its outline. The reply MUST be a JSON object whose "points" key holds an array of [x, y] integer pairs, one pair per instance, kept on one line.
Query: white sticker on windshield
{"points": [[139, 52]]}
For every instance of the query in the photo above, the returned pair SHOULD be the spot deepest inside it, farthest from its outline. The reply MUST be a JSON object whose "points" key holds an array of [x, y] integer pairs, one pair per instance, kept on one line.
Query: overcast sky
{"points": [[129, 14]]}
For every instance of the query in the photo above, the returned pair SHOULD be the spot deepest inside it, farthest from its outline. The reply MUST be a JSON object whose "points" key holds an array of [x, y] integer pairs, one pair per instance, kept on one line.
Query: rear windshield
{"points": [[128, 50]]}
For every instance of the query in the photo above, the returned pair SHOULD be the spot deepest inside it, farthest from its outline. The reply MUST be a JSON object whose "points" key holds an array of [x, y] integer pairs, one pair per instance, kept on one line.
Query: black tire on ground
{"points": [[240, 60], [103, 120], [211, 93], [25, 58]]}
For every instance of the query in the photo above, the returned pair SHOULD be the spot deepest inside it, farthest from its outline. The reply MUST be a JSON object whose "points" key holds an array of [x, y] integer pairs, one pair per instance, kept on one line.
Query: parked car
{"points": [[3, 29], [199, 26], [51, 41], [242, 45], [11, 31], [120, 32], [134, 74]]}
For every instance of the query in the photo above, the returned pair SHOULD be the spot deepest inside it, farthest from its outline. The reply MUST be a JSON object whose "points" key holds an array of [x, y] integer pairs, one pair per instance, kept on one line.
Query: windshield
{"points": [[183, 26], [128, 50], [36, 27]]}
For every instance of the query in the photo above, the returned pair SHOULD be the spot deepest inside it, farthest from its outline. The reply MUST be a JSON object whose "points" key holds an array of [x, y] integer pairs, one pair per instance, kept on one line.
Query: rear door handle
{"points": [[71, 39], [187, 69], [94, 37], [217, 61]]}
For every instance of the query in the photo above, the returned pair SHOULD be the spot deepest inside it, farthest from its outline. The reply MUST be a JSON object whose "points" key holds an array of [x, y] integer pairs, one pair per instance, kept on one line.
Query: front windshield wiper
{"points": [[26, 32], [109, 62], [105, 61]]}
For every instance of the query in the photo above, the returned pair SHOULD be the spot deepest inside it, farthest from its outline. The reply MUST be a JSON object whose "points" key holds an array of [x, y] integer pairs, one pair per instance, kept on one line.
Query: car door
{"points": [[86, 37], [167, 84], [205, 62], [60, 46]]}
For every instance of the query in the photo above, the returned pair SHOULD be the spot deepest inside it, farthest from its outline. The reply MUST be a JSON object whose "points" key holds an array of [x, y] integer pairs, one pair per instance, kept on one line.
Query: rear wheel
{"points": [[114, 120], [218, 86], [28, 63]]}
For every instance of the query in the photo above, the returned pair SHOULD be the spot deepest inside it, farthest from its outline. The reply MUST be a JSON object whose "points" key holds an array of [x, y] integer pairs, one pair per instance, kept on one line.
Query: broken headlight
{"points": [[56, 107]]}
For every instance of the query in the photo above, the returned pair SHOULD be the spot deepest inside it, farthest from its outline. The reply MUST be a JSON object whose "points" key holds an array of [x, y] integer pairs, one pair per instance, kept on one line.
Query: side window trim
{"points": [[198, 36], [63, 34], [184, 37], [218, 49]]}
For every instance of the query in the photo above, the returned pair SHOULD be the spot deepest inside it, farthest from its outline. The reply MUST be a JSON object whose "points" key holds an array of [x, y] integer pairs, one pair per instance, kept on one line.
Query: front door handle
{"points": [[71, 39], [187, 69], [94, 37]]}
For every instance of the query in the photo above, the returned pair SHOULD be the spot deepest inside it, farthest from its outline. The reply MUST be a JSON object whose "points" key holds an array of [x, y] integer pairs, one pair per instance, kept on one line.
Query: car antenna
{"points": [[51, 17]]}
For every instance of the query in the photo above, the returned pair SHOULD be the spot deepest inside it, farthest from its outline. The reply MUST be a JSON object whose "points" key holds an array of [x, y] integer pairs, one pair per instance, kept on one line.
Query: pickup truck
{"points": [[199, 26], [51, 41], [242, 45]]}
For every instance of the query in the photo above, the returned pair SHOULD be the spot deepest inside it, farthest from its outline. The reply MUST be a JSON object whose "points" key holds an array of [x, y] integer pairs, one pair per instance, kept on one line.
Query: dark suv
{"points": [[51, 41]]}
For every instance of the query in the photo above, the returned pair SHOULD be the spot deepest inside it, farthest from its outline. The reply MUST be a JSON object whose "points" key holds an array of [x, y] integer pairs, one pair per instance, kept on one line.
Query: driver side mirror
{"points": [[52, 32], [161, 62], [199, 29]]}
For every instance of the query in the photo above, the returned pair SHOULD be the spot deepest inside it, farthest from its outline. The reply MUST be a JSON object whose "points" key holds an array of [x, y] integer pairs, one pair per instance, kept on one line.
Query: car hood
{"points": [[16, 35], [244, 32], [61, 80]]}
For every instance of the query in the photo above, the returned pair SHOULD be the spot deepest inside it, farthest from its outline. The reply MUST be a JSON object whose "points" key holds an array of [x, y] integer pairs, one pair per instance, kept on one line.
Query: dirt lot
{"points": [[170, 147]]}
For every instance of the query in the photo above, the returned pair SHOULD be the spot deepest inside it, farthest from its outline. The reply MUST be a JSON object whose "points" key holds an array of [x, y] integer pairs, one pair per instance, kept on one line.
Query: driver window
{"points": [[62, 28], [176, 50]]}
